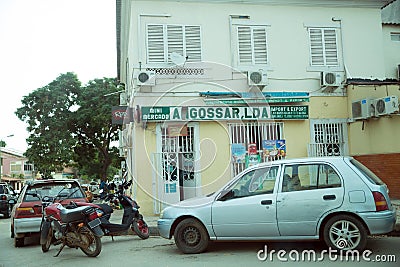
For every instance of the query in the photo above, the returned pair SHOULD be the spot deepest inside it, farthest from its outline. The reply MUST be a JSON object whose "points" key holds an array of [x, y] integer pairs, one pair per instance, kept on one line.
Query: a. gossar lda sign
{"points": [[163, 113]]}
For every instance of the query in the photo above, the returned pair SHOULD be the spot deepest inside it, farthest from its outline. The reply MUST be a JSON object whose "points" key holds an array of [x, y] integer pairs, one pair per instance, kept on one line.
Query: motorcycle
{"points": [[75, 227], [132, 220]]}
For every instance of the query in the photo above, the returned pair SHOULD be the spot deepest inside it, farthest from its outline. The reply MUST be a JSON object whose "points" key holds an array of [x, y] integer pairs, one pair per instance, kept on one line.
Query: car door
{"points": [[308, 191], [248, 211]]}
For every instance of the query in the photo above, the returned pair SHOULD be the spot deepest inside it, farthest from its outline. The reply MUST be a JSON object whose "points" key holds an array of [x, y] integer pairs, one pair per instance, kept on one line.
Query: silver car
{"points": [[335, 199]]}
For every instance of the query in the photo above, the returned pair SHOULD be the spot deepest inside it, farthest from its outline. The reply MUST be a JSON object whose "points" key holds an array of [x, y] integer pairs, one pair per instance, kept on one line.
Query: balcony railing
{"points": [[326, 149]]}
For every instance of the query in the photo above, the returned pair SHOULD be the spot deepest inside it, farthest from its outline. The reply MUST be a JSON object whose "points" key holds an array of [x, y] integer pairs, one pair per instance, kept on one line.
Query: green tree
{"points": [[93, 129], [70, 123]]}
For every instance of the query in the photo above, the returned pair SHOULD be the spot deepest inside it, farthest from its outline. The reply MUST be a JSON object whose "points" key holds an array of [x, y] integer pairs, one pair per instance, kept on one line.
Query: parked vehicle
{"points": [[132, 220], [75, 227], [335, 199], [6, 193], [26, 216]]}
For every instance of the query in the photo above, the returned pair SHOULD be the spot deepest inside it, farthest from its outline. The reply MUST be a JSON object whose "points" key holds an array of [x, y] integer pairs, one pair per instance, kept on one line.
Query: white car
{"points": [[335, 199]]}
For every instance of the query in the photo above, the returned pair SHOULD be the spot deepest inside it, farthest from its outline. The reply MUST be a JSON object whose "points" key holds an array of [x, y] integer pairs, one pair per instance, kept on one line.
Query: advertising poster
{"points": [[274, 148], [238, 153]]}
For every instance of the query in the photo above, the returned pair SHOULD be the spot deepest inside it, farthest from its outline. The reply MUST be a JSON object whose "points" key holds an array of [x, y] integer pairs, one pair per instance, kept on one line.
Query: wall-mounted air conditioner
{"points": [[331, 78], [386, 105], [363, 109], [258, 77], [146, 78]]}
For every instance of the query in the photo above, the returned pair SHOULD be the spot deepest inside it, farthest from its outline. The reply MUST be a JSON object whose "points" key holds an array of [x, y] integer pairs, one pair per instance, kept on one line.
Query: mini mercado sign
{"points": [[207, 113]]}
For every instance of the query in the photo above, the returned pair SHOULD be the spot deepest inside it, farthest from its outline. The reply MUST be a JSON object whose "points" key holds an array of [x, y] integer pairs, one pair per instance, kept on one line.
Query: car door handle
{"points": [[266, 202], [329, 197]]}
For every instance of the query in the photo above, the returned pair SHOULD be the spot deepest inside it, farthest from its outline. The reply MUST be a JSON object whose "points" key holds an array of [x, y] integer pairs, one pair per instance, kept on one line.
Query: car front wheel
{"points": [[345, 232], [191, 237]]}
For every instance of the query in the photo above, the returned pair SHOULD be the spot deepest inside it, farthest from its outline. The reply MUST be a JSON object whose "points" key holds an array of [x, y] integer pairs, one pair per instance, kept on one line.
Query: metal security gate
{"points": [[252, 137], [175, 164], [328, 138]]}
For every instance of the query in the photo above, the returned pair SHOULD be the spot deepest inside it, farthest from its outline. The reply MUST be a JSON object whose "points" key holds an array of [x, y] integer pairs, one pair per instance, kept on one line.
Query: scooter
{"points": [[132, 220], [73, 227]]}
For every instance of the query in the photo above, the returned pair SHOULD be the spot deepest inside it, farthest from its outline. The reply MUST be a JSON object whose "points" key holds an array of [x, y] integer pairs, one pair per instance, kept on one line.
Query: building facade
{"points": [[16, 169], [216, 86]]}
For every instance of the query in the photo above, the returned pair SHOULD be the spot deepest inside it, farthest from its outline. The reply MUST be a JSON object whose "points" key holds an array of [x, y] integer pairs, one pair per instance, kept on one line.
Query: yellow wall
{"points": [[322, 107], [144, 146], [375, 135], [215, 169]]}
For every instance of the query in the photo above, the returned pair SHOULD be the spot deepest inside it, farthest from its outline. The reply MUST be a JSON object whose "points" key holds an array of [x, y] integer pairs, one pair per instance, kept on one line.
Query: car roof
{"points": [[299, 160], [48, 181]]}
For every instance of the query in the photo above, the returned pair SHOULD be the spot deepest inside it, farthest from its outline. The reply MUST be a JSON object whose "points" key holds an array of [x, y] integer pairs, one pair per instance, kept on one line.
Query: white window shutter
{"points": [[193, 43], [175, 40], [316, 47], [260, 46], [331, 52], [155, 44], [323, 47], [244, 45]]}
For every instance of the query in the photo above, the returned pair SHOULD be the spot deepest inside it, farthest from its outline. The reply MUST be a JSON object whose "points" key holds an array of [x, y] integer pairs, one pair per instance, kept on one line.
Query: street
{"points": [[156, 251]]}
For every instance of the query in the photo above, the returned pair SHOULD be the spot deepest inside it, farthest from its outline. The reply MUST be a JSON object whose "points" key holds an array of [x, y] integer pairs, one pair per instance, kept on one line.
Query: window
{"points": [[323, 47], [309, 176], [328, 138], [395, 36], [162, 40], [256, 182], [251, 45], [253, 134]]}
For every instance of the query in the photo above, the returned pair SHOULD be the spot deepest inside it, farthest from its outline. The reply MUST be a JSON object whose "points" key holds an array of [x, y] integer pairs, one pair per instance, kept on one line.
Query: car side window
{"points": [[260, 181], [309, 177]]}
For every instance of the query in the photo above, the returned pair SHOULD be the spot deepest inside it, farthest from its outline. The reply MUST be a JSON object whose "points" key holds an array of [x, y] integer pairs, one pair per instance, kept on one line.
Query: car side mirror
{"points": [[225, 195]]}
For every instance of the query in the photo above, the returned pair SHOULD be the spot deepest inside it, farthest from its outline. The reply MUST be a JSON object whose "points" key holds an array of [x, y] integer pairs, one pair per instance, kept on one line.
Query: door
{"points": [[175, 163], [308, 191], [249, 210]]}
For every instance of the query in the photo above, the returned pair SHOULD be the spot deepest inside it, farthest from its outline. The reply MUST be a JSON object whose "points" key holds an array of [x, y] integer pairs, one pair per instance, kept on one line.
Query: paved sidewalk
{"points": [[151, 221]]}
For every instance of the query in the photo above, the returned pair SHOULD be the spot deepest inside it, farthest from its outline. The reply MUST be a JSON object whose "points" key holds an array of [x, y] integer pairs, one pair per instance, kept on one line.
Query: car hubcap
{"points": [[191, 236], [345, 235]]}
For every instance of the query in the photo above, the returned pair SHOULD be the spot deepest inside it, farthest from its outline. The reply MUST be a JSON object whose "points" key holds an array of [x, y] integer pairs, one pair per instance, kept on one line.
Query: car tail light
{"points": [[3, 197], [24, 212], [380, 201]]}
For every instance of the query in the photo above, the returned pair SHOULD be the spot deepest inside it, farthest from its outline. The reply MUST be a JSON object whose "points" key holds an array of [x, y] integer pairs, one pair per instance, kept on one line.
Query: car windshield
{"points": [[64, 190], [367, 172]]}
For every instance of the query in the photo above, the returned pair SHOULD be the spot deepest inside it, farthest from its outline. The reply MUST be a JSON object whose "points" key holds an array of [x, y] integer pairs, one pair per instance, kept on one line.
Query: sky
{"points": [[41, 39]]}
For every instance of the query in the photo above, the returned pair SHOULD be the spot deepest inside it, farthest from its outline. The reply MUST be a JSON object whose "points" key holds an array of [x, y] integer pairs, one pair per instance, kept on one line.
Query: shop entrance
{"points": [[175, 164]]}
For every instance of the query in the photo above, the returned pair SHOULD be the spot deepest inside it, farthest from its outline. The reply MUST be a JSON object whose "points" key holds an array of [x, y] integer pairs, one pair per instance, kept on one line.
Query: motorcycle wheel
{"points": [[46, 246], [141, 228], [93, 243]]}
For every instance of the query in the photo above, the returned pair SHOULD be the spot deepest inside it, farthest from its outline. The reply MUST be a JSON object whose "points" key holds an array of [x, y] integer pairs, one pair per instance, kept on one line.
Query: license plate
{"points": [[94, 223]]}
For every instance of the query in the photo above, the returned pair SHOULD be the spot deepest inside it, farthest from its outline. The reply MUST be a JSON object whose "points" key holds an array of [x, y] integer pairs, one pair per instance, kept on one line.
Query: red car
{"points": [[26, 215]]}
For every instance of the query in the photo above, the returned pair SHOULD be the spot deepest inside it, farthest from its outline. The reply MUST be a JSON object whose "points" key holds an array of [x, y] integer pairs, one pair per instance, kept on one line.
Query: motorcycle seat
{"points": [[70, 215]]}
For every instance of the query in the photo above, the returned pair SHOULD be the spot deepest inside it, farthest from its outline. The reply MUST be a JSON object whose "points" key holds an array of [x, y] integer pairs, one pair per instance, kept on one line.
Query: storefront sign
{"points": [[224, 113], [121, 115]]}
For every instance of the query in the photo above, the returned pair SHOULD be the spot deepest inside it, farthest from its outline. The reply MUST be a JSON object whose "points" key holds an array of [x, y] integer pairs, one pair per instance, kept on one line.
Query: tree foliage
{"points": [[71, 124]]}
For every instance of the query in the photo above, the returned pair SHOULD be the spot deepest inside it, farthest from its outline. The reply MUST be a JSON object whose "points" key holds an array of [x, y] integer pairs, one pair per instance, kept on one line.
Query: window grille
{"points": [[254, 133]]}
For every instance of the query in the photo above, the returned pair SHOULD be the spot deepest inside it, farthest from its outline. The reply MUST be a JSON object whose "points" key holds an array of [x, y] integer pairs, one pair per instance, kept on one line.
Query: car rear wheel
{"points": [[191, 236], [19, 242], [345, 232]]}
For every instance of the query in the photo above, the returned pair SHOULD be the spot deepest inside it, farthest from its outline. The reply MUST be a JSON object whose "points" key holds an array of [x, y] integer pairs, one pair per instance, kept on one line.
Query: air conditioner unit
{"points": [[146, 78], [386, 105], [258, 77], [363, 109], [331, 78]]}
